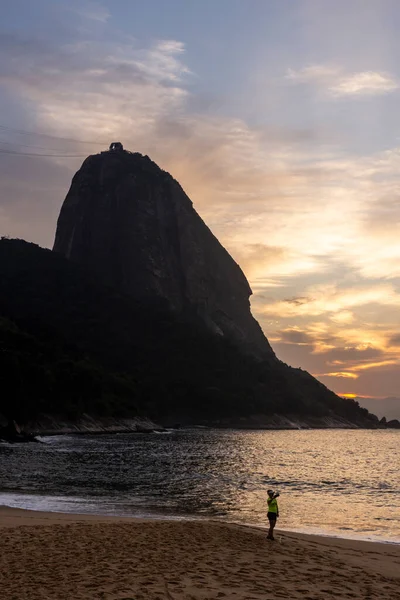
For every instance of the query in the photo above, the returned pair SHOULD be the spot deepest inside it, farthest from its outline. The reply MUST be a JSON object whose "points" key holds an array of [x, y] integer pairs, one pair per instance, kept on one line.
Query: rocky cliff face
{"points": [[85, 356], [133, 225]]}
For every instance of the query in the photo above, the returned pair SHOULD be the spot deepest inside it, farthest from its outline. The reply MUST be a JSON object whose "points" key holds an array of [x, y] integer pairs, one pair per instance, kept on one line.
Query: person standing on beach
{"points": [[273, 512]]}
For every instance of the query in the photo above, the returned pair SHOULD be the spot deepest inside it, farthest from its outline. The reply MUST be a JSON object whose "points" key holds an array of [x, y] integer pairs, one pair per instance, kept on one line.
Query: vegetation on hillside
{"points": [[70, 345]]}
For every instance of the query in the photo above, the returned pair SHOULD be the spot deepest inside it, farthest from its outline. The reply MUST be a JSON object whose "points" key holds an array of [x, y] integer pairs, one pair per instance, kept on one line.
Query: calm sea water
{"points": [[335, 482]]}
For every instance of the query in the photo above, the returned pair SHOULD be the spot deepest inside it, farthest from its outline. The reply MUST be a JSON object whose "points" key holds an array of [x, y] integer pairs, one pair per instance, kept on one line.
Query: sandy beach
{"points": [[51, 556]]}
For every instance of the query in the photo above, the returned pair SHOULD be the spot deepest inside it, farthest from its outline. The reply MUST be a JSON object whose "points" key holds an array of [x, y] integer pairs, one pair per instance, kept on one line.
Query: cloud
{"points": [[98, 88], [395, 340], [375, 365], [335, 82], [343, 374], [351, 355], [255, 258], [325, 299], [383, 210], [375, 382], [298, 301], [364, 83], [333, 352], [295, 336], [327, 343], [93, 11], [313, 73], [342, 317], [383, 407], [366, 371]]}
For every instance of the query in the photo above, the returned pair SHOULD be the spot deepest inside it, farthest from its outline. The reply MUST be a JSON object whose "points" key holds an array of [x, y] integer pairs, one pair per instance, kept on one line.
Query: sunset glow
{"points": [[280, 121]]}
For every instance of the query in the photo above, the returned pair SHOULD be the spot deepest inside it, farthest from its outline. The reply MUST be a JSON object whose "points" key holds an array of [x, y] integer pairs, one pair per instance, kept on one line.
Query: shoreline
{"points": [[16, 517], [6, 512], [61, 555], [53, 425], [160, 428]]}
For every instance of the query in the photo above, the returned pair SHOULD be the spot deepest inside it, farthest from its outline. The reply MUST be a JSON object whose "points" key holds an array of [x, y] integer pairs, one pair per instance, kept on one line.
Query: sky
{"points": [[279, 119]]}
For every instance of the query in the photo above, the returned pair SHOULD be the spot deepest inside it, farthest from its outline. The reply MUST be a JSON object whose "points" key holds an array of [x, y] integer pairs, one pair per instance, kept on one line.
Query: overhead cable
{"points": [[55, 137], [15, 153]]}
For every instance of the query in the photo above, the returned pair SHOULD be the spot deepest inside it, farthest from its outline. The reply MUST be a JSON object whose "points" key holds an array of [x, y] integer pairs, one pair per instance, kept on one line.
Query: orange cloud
{"points": [[344, 374], [374, 365]]}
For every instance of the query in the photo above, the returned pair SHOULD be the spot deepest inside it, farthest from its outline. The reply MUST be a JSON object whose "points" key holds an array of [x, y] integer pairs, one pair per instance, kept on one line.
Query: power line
{"points": [[30, 146], [54, 137], [15, 153]]}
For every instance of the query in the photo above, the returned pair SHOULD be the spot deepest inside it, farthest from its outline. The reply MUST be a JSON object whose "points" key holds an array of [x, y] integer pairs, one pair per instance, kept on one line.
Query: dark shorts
{"points": [[272, 516]]}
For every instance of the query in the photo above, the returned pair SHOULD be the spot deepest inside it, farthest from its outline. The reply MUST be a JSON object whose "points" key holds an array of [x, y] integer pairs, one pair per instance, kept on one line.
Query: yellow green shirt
{"points": [[272, 505]]}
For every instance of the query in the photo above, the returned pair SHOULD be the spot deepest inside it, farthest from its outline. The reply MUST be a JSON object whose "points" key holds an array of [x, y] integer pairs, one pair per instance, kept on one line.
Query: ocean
{"points": [[332, 482]]}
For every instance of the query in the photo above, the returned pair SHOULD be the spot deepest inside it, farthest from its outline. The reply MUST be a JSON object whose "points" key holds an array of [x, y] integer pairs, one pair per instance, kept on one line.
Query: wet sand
{"points": [[51, 556]]}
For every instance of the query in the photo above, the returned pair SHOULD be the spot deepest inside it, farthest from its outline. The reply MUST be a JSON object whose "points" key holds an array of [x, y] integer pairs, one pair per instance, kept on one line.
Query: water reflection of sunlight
{"points": [[335, 482]]}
